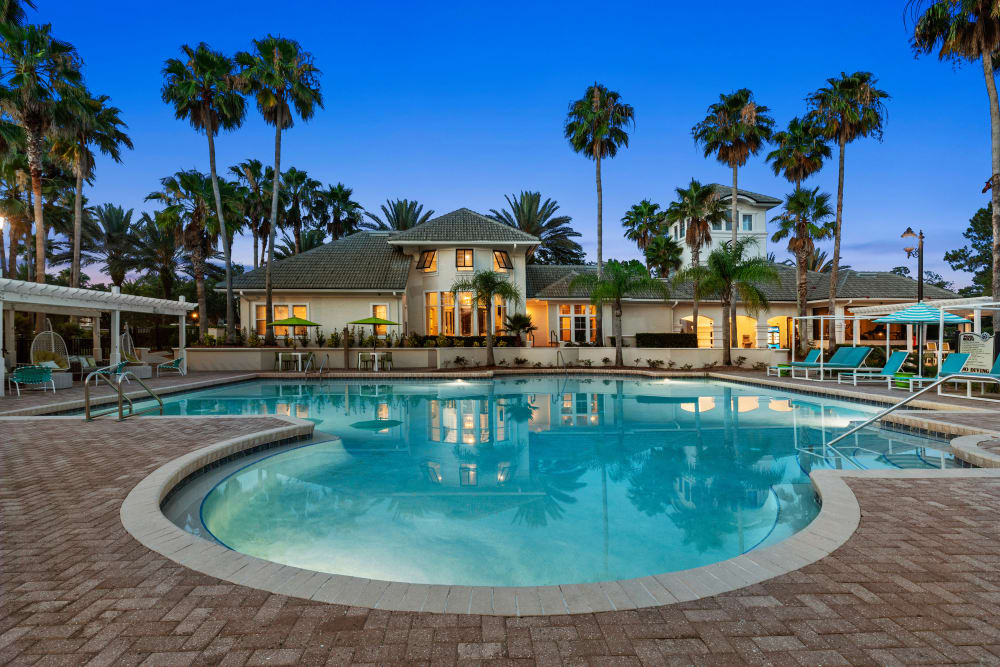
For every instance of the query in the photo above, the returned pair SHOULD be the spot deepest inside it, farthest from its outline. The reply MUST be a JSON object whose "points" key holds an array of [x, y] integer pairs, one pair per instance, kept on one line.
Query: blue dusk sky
{"points": [[458, 104]]}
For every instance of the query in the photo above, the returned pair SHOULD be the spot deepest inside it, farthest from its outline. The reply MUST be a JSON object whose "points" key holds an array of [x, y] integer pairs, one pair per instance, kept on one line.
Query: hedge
{"points": [[666, 340]]}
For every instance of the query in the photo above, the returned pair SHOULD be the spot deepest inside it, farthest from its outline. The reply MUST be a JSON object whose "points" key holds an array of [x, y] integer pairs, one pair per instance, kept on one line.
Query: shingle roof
{"points": [[853, 284], [463, 225], [725, 191], [361, 261]]}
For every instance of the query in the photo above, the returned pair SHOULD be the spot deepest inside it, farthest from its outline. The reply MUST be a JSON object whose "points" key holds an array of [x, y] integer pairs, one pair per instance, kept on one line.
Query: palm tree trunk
{"points": [[35, 168], [991, 90], [600, 246], [695, 252], [727, 331], [732, 296], [256, 245], [77, 222], [616, 326], [800, 299], [835, 261], [12, 253], [269, 336], [3, 256], [167, 282], [226, 246], [297, 231], [489, 332]]}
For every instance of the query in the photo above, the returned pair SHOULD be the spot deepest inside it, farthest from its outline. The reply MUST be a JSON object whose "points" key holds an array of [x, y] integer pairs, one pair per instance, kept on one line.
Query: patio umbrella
{"points": [[374, 321], [923, 314], [376, 424], [292, 322]]}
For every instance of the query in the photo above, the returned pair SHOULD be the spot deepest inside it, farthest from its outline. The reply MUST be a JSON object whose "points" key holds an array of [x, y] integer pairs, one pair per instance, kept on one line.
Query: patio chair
{"points": [[386, 362], [863, 375], [175, 365], [952, 364], [811, 358], [283, 363], [111, 372], [366, 360], [994, 374], [31, 375], [845, 359]]}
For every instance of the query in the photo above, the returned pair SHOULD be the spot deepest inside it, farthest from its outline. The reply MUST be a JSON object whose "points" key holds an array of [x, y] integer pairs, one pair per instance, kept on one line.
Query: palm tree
{"points": [[730, 271], [310, 239], [800, 150], [735, 128], [188, 211], [281, 76], [699, 207], [299, 188], [597, 126], [12, 11], [620, 280], [846, 109], [643, 222], [202, 89], [664, 255], [250, 175], [340, 214], [806, 219], [820, 262], [398, 215], [110, 240], [93, 123], [531, 215], [156, 249], [968, 30], [45, 69], [14, 204], [517, 324], [486, 286]]}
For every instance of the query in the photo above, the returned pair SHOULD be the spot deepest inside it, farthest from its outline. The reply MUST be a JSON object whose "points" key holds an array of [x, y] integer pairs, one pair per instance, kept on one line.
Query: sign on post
{"points": [[979, 347]]}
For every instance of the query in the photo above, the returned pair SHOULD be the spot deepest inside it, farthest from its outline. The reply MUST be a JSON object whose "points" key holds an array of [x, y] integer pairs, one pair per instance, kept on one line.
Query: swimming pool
{"points": [[526, 481]]}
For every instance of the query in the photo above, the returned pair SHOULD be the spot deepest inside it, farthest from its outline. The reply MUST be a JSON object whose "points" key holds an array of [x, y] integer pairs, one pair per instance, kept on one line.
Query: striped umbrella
{"points": [[920, 313]]}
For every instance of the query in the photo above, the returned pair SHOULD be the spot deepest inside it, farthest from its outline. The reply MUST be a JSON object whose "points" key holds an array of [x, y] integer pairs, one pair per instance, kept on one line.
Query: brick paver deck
{"points": [[917, 583]]}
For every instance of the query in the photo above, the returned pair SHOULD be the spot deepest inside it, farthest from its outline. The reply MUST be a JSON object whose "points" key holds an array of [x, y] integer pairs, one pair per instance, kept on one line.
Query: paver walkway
{"points": [[918, 583]]}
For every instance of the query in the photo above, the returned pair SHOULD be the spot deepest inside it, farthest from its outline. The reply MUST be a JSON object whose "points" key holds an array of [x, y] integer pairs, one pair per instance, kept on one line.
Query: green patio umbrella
{"points": [[292, 322], [374, 321], [376, 424]]}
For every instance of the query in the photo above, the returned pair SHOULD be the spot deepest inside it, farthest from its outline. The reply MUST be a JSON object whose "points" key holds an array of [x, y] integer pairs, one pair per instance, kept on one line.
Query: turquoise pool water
{"points": [[532, 480]]}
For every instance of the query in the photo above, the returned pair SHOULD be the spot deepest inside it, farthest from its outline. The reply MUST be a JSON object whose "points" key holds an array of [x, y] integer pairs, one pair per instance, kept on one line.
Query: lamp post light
{"points": [[919, 252]]}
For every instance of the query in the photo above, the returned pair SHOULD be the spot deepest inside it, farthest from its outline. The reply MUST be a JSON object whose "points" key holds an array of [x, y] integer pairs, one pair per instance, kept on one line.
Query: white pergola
{"points": [[21, 296]]}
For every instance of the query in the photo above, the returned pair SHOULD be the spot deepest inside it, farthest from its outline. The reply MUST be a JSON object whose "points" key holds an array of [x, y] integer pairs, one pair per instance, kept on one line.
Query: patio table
{"points": [[298, 359], [377, 355]]}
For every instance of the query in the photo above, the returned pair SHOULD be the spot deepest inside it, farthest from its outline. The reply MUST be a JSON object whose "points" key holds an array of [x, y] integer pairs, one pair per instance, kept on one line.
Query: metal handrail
{"points": [[932, 385], [122, 398]]}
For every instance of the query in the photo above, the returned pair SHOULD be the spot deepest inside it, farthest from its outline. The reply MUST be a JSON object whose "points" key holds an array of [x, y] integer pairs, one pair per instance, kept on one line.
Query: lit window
{"points": [[564, 328], [428, 261], [300, 311], [499, 314], [431, 306], [280, 313], [381, 311], [467, 474], [501, 261], [465, 313], [747, 222], [261, 319], [463, 259], [448, 313]]}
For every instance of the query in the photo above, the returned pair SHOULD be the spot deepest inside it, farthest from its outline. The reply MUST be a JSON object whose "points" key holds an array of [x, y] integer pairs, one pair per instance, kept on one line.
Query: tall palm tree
{"points": [[597, 126], [531, 215], [800, 150], [846, 109], [664, 255], [202, 88], [734, 128], [310, 239], [968, 30], [619, 281], [517, 324], [299, 188], [94, 123], [250, 175], [187, 196], [156, 249], [12, 11], [15, 185], [398, 215], [730, 271], [643, 222], [281, 77], [45, 69], [486, 286], [699, 207], [820, 262], [805, 220], [340, 214], [110, 240]]}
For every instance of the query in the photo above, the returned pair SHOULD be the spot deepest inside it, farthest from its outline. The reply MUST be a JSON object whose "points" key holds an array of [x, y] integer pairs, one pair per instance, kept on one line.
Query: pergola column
{"points": [[116, 352], [977, 321], [95, 338]]}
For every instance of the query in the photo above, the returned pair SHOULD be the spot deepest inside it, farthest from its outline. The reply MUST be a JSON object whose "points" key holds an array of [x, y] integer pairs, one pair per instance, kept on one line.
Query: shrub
{"points": [[458, 342], [760, 366], [687, 367], [671, 363], [666, 340], [320, 338], [429, 343], [739, 361], [254, 339], [461, 361], [441, 341], [304, 338], [587, 362], [290, 341], [241, 337], [538, 364], [334, 339], [501, 343], [606, 361], [654, 363], [502, 362], [520, 361], [711, 364]]}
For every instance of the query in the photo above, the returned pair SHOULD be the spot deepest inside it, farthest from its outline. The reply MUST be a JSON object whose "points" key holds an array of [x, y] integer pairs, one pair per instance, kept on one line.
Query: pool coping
{"points": [[839, 517]]}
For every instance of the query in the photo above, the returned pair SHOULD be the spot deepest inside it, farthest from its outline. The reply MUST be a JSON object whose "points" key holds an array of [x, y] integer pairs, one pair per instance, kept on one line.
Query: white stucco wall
{"points": [[332, 311]]}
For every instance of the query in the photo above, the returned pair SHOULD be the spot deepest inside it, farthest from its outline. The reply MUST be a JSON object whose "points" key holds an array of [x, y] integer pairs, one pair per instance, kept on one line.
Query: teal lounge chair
{"points": [[31, 375], [845, 359], [112, 372], [952, 364], [811, 358], [994, 374], [175, 365], [886, 373]]}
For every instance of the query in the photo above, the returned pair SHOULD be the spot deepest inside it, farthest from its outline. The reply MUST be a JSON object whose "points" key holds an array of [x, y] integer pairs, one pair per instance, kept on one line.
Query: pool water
{"points": [[532, 480]]}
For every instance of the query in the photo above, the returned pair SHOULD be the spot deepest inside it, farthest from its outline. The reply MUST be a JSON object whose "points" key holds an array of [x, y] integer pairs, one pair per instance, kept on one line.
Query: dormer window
{"points": [[463, 259], [428, 261], [501, 261]]}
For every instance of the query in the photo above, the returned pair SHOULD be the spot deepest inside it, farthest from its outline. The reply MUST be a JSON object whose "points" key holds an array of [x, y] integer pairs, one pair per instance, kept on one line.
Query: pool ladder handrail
{"points": [[122, 398], [907, 399]]}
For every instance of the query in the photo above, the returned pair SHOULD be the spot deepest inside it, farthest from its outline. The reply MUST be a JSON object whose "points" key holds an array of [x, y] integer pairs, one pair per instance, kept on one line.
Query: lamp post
{"points": [[919, 252]]}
